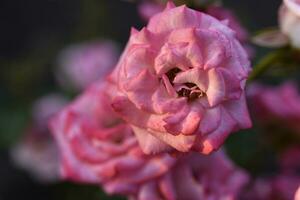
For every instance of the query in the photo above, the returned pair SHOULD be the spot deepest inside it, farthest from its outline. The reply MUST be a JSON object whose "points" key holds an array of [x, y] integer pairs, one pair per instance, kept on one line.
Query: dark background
{"points": [[31, 34]]}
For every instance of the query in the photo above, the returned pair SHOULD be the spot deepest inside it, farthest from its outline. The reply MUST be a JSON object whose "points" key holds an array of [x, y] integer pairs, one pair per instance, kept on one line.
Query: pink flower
{"points": [[82, 64], [289, 20], [197, 177], [147, 9], [181, 82], [98, 147], [37, 152], [277, 104]]}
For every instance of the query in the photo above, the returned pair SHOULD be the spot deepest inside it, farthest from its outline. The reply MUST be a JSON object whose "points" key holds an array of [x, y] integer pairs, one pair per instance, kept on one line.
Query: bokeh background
{"points": [[31, 35]]}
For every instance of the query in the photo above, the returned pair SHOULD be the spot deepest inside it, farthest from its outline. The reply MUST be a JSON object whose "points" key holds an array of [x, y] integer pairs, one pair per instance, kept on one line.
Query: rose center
{"points": [[171, 74], [189, 90]]}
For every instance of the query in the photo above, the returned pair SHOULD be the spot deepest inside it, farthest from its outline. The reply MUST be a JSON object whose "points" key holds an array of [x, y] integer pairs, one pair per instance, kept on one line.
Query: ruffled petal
{"points": [[210, 121], [167, 188], [216, 88], [196, 76], [174, 18], [239, 112], [214, 140], [149, 143]]}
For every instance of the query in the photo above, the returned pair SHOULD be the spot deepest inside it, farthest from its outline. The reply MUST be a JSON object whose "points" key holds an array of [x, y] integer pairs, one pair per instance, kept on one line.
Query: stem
{"points": [[264, 64]]}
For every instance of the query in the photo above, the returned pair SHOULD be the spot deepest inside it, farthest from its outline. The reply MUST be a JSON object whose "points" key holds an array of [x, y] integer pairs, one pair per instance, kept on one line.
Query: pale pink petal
{"points": [[210, 121], [213, 141], [239, 112]]}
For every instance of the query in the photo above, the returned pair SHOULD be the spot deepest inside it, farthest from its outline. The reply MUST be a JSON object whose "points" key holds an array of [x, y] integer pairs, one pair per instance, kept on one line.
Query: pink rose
{"points": [[98, 147], [273, 104], [82, 64], [196, 177], [36, 152], [181, 82], [289, 21]]}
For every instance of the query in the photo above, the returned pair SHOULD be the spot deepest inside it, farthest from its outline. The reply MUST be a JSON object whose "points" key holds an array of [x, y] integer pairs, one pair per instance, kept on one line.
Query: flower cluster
{"points": [[176, 93], [98, 147], [153, 125]]}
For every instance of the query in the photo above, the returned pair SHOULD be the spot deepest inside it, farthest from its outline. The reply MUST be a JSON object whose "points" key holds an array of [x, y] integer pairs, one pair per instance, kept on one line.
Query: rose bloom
{"points": [[277, 104], [97, 147], [36, 152], [181, 82], [82, 64], [289, 20], [196, 177]]}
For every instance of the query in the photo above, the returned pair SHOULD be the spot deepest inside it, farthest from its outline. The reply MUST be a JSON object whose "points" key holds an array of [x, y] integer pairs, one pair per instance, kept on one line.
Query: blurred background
{"points": [[33, 32]]}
